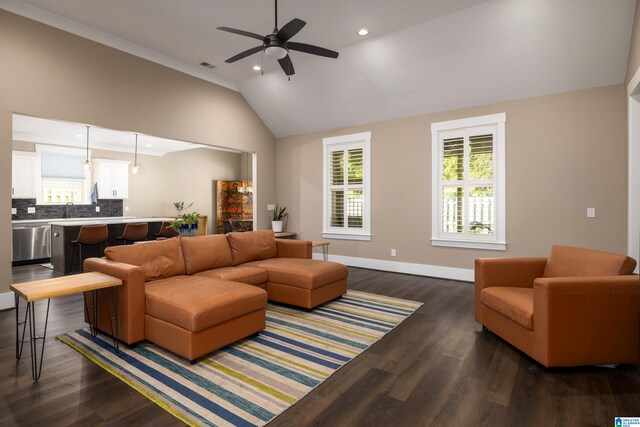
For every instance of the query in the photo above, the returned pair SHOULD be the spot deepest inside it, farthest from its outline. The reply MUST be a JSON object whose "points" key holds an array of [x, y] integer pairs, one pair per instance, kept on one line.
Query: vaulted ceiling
{"points": [[421, 56]]}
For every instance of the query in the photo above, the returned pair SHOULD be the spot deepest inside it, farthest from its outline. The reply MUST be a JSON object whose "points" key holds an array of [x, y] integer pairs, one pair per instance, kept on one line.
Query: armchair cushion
{"points": [[514, 303], [568, 261]]}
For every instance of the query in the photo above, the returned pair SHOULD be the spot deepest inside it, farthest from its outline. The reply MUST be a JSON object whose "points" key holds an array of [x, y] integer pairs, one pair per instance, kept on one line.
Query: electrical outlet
{"points": [[126, 208], [393, 252], [271, 207], [14, 211], [31, 210], [591, 212], [97, 208]]}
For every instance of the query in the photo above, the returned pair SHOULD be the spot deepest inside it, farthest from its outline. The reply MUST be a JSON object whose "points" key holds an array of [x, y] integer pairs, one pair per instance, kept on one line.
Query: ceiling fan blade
{"points": [[290, 29], [242, 33], [313, 50], [244, 54], [287, 65]]}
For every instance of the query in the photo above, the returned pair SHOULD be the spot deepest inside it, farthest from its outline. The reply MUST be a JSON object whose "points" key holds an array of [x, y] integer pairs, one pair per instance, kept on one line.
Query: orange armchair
{"points": [[576, 307]]}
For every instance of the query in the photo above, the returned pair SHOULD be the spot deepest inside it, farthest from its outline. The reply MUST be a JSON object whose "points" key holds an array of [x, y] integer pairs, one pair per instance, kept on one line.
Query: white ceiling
{"points": [[54, 132], [421, 56]]}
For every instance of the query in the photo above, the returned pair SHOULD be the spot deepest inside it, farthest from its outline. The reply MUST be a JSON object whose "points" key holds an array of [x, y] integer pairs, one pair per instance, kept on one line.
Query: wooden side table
{"points": [[51, 288], [325, 248], [285, 235]]}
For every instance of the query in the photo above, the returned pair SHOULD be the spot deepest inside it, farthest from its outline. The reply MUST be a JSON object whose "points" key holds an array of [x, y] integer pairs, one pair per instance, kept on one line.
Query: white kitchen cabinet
{"points": [[25, 175], [112, 177]]}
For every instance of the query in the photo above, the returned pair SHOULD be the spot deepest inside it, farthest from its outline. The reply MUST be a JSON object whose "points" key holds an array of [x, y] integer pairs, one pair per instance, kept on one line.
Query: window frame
{"points": [[480, 241], [346, 142]]}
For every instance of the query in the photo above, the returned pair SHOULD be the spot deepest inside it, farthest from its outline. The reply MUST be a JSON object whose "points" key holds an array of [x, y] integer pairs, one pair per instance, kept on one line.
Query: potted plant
{"points": [[181, 207], [279, 216], [187, 224]]}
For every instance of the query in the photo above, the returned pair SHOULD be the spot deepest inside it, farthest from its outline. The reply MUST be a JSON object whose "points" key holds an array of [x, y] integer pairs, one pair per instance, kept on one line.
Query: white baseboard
{"points": [[403, 267], [7, 300]]}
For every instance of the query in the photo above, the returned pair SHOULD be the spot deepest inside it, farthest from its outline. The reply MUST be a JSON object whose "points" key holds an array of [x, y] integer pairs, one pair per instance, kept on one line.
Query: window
{"points": [[346, 199], [468, 175], [63, 177]]}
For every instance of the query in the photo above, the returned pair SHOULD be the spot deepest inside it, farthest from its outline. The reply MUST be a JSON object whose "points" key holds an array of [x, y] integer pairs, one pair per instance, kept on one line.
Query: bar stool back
{"points": [[134, 232], [90, 235], [166, 232]]}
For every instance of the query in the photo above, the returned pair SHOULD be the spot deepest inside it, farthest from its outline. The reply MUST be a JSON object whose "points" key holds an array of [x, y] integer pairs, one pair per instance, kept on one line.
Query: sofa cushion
{"points": [[300, 272], [568, 261], [512, 302], [252, 245], [205, 252], [196, 303], [249, 275], [159, 259]]}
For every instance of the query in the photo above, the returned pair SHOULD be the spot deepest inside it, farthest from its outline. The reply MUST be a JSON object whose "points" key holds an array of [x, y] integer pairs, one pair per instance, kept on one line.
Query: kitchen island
{"points": [[63, 256]]}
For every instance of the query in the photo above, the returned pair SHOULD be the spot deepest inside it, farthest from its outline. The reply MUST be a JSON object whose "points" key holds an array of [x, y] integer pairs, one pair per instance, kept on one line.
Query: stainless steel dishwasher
{"points": [[31, 241]]}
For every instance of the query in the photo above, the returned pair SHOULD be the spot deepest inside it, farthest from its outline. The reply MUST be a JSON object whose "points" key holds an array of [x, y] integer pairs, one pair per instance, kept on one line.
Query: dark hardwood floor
{"points": [[438, 368]]}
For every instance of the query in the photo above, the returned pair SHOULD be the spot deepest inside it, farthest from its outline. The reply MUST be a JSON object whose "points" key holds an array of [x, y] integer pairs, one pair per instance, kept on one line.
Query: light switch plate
{"points": [[14, 211], [591, 212], [31, 210], [271, 207], [126, 208]]}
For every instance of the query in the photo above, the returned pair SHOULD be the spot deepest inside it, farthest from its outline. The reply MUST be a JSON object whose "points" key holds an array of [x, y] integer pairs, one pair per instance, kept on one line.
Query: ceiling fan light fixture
{"points": [[276, 52]]}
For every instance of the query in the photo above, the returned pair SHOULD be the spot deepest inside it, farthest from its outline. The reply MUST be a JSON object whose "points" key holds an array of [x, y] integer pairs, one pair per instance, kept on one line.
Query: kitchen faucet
{"points": [[66, 209]]}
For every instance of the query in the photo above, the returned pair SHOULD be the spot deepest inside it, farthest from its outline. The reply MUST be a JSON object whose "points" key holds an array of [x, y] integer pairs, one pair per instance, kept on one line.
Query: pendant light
{"points": [[87, 163], [135, 168]]}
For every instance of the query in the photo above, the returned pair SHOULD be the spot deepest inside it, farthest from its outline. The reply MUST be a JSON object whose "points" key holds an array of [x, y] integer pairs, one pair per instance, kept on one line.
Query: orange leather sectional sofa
{"points": [[576, 307], [194, 295]]}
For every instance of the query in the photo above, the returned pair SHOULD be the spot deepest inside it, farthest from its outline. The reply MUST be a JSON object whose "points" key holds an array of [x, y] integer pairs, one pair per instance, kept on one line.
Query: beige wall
{"points": [[633, 63], [49, 73], [564, 153]]}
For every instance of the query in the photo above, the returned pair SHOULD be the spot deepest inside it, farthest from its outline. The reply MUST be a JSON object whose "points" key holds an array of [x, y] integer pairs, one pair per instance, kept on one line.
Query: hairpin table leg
{"points": [[36, 365], [19, 339]]}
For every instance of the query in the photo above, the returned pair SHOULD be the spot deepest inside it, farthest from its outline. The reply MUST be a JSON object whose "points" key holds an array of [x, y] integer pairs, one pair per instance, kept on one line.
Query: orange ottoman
{"points": [[303, 282], [193, 315]]}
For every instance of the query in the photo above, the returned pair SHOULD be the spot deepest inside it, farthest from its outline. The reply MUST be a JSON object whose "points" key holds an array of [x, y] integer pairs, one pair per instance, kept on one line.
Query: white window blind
{"points": [[346, 200], [468, 203]]}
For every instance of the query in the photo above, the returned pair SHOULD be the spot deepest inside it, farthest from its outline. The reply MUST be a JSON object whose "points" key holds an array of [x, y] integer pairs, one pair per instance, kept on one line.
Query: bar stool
{"points": [[134, 232], [89, 235], [166, 232]]}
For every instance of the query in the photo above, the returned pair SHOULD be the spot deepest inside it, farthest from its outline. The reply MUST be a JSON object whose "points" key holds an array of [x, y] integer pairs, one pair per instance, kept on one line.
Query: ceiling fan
{"points": [[277, 45]]}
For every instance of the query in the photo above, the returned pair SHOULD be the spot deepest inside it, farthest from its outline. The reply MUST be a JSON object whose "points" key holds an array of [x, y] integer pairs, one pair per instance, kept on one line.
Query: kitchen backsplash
{"points": [[108, 208]]}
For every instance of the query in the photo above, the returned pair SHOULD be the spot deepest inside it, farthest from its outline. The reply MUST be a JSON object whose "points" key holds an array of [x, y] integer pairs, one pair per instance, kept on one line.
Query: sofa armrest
{"points": [[586, 320], [514, 272], [131, 297], [288, 248]]}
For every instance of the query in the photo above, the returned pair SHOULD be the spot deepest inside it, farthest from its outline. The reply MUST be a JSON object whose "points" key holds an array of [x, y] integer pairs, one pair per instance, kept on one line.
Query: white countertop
{"points": [[89, 221], [47, 220], [106, 220]]}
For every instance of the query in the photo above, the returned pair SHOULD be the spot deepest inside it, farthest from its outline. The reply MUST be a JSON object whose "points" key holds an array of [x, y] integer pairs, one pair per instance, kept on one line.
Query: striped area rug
{"points": [[253, 380]]}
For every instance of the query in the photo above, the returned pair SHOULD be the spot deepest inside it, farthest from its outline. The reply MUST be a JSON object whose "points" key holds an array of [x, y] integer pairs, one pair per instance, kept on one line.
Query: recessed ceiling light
{"points": [[79, 135], [148, 145], [257, 68], [363, 32]]}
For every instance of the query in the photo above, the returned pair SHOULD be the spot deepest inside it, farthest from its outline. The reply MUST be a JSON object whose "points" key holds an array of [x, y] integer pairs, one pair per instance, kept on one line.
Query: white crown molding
{"points": [[451, 273], [53, 20]]}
